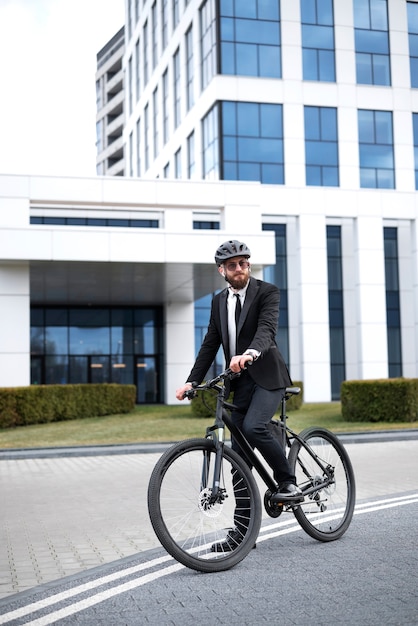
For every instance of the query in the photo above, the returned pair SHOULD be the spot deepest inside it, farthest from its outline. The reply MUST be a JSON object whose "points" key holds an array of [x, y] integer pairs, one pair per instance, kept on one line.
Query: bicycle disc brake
{"points": [[210, 506]]}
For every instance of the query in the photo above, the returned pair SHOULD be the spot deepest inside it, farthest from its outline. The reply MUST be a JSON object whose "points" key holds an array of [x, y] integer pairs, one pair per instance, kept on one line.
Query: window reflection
{"points": [[252, 142], [96, 345], [250, 38], [372, 42], [377, 162]]}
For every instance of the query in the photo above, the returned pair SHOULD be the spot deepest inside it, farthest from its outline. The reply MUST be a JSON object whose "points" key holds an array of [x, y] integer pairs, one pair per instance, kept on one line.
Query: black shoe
{"points": [[288, 492], [232, 540]]}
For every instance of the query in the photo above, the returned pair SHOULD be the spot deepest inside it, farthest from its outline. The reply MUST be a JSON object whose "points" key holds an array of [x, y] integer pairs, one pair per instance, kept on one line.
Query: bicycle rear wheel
{"points": [[326, 513], [185, 518]]}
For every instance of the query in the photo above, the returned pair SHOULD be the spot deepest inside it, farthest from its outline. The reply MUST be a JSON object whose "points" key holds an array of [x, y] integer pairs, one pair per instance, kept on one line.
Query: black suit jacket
{"points": [[257, 329]]}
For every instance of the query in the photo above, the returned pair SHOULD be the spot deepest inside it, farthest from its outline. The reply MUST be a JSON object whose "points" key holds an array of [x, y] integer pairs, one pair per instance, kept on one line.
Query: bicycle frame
{"points": [[217, 433]]}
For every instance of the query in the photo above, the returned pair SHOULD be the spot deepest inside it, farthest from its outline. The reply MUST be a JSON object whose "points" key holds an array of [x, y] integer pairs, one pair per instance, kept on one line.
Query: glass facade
{"points": [[415, 124], [277, 275], [393, 307], [377, 161], [207, 42], [94, 222], [189, 69], [210, 140], [252, 142], [318, 47], [336, 309], [250, 38], [372, 42], [202, 309], [99, 345], [321, 146], [412, 8]]}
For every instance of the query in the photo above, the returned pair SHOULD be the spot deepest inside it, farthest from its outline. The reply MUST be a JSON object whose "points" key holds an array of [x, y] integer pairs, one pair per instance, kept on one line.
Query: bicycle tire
{"points": [[325, 514], [185, 524]]}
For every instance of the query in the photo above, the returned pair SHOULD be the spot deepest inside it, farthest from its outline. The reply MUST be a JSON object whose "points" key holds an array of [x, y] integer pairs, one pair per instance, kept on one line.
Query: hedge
{"points": [[39, 404], [204, 404], [381, 400]]}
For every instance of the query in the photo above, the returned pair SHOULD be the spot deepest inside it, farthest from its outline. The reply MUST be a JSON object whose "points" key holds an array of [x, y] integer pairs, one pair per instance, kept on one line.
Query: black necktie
{"points": [[237, 310]]}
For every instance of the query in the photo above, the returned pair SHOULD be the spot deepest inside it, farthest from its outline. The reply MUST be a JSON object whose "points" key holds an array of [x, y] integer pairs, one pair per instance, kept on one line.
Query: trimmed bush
{"points": [[204, 404], [39, 404], [382, 400]]}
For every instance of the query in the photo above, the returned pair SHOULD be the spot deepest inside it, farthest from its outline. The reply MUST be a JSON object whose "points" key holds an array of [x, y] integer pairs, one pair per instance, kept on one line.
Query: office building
{"points": [[291, 125]]}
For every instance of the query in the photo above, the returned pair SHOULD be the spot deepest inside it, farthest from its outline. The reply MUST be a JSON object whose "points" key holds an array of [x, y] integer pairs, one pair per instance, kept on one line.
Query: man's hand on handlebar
{"points": [[240, 362], [181, 391]]}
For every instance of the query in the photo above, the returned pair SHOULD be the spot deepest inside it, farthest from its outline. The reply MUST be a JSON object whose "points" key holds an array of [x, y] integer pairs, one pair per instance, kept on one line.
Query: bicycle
{"points": [[198, 487]]}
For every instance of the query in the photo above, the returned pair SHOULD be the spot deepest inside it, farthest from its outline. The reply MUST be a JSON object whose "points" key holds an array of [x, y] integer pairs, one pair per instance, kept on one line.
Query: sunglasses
{"points": [[232, 266]]}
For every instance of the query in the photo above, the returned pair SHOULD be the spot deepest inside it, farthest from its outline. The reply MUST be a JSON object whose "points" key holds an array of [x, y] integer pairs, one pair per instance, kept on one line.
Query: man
{"points": [[244, 319]]}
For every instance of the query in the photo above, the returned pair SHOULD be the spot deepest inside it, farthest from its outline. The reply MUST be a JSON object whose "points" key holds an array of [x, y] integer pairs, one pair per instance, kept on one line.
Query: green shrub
{"points": [[204, 404], [382, 400], [39, 404]]}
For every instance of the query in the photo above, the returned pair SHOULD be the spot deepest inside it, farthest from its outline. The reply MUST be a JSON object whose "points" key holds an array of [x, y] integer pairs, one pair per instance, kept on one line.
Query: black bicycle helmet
{"points": [[230, 249]]}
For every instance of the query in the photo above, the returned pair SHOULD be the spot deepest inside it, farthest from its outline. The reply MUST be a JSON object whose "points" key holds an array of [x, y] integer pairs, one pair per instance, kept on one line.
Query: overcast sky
{"points": [[47, 70]]}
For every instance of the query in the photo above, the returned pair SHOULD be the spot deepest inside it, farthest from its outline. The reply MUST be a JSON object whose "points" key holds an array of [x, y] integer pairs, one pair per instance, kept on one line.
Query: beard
{"points": [[237, 281]]}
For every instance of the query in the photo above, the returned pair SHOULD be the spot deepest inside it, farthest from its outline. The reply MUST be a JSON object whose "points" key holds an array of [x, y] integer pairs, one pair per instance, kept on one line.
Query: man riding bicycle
{"points": [[244, 319]]}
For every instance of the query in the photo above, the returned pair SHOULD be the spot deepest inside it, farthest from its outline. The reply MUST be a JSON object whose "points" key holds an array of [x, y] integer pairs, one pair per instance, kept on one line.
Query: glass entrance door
{"points": [[147, 391]]}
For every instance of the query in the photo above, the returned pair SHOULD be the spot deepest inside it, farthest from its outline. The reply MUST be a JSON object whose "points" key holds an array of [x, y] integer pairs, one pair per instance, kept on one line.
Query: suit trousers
{"points": [[255, 408]]}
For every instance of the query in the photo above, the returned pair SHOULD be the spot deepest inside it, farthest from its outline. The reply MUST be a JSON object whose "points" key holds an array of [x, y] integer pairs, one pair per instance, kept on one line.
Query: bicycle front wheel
{"points": [[189, 519], [326, 512]]}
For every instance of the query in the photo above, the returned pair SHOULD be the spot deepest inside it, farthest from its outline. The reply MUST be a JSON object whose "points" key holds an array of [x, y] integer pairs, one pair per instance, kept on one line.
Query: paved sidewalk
{"points": [[64, 514]]}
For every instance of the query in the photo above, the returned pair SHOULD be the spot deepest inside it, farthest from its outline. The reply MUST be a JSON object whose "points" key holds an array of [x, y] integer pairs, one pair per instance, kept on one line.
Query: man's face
{"points": [[236, 271]]}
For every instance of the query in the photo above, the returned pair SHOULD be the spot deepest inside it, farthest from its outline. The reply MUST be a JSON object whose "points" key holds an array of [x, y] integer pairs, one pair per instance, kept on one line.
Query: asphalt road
{"points": [[368, 577]]}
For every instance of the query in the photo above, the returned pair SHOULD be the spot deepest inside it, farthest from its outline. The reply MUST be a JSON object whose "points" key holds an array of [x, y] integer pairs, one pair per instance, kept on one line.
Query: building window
{"points": [[321, 146], [205, 225], [277, 275], [145, 54], [250, 38], [377, 169], [208, 42], [176, 88], [191, 162], [131, 155], [412, 8], [210, 139], [130, 89], [252, 142], [415, 123], [95, 222], [146, 136], [167, 170], [318, 47], [137, 70], [164, 23], [99, 135], [336, 309], [177, 164], [155, 121], [393, 308], [138, 148], [176, 13], [154, 35], [165, 107], [372, 42], [189, 69]]}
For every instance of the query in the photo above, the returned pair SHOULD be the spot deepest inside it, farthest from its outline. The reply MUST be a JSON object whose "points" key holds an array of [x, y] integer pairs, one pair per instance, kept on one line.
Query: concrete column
{"points": [[14, 325], [314, 322], [371, 298], [180, 348]]}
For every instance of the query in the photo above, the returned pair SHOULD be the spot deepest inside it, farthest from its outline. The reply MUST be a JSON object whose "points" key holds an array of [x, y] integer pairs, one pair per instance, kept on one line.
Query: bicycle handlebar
{"points": [[210, 384]]}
